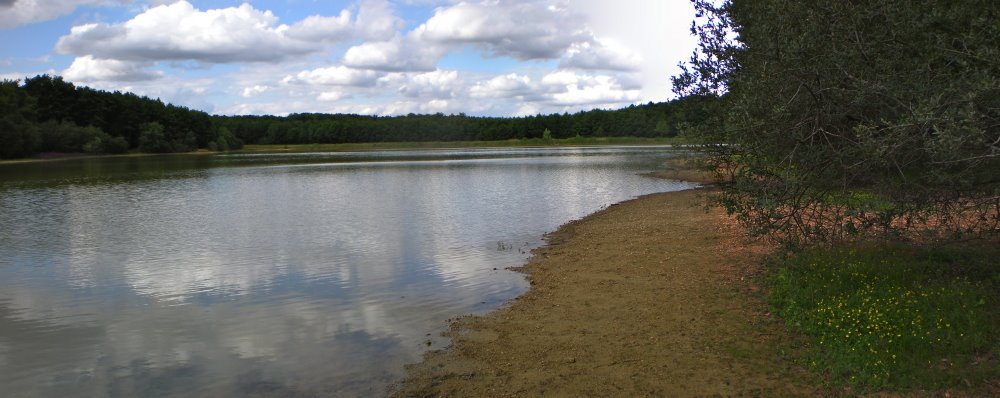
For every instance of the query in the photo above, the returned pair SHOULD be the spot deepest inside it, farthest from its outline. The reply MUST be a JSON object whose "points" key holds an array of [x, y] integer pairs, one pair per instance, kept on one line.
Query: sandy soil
{"points": [[651, 297]]}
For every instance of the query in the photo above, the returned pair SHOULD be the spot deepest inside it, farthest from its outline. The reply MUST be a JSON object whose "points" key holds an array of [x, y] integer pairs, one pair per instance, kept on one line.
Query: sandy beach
{"points": [[656, 296]]}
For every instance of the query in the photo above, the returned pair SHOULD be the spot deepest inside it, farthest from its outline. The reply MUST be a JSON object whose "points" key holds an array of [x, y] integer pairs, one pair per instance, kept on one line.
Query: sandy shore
{"points": [[650, 297]]}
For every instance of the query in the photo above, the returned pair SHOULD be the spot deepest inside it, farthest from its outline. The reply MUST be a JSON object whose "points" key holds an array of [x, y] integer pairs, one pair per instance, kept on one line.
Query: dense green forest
{"points": [[650, 120], [48, 114]]}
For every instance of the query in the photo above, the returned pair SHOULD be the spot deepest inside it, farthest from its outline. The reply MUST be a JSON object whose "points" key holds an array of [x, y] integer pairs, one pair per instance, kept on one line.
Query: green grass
{"points": [[894, 318], [574, 141]]}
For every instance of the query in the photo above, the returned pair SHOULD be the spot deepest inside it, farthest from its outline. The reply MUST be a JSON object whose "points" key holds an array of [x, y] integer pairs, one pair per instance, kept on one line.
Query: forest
{"points": [[48, 114]]}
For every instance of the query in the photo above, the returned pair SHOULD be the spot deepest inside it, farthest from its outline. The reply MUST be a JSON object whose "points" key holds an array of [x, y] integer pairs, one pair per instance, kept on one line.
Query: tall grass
{"points": [[893, 317]]}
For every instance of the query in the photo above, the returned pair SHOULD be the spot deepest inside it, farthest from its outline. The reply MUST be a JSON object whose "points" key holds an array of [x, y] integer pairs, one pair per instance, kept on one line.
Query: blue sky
{"points": [[385, 57]]}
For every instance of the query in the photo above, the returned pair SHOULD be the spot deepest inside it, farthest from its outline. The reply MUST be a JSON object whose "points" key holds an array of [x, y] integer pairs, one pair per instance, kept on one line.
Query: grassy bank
{"points": [[574, 141], [894, 318]]}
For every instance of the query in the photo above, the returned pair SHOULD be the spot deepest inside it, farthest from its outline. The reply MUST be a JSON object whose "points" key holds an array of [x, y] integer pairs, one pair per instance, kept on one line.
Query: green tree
{"points": [[153, 139], [853, 119], [18, 133]]}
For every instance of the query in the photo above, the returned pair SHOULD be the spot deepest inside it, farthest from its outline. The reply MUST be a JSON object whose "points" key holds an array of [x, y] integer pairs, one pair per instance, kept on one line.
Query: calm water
{"points": [[275, 275]]}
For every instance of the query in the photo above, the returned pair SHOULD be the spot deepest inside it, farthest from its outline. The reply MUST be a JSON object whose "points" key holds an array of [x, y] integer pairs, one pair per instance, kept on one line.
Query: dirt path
{"points": [[646, 298]]}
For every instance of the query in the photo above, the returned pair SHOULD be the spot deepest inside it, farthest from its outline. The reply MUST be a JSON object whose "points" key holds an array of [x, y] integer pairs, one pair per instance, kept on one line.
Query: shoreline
{"points": [[375, 146], [651, 296]]}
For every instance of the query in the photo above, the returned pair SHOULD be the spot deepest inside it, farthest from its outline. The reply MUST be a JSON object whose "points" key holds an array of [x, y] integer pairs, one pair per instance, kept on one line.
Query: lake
{"points": [[294, 274]]}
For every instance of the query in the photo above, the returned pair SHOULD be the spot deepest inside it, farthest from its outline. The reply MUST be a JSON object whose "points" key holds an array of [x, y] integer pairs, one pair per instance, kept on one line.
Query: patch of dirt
{"points": [[650, 297]]}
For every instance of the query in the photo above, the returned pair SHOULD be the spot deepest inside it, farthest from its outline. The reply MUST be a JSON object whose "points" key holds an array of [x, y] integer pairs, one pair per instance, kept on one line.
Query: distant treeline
{"points": [[650, 120], [48, 114]]}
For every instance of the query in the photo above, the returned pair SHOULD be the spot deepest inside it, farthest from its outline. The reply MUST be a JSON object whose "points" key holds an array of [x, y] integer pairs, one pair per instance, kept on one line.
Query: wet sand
{"points": [[656, 296]]}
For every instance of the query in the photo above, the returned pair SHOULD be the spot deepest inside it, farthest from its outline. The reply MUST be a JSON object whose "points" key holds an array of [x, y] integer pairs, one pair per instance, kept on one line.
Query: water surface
{"points": [[304, 274]]}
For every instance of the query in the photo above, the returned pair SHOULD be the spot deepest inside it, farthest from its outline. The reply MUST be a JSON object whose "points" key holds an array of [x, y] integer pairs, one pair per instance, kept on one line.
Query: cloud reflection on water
{"points": [[315, 279]]}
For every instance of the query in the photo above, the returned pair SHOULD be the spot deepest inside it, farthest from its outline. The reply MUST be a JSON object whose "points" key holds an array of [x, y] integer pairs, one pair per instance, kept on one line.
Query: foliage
{"points": [[894, 318], [633, 121], [897, 102], [153, 139], [18, 133]]}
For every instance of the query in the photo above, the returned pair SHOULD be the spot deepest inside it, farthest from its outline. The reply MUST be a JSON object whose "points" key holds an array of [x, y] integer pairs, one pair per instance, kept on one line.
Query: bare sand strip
{"points": [[650, 297]]}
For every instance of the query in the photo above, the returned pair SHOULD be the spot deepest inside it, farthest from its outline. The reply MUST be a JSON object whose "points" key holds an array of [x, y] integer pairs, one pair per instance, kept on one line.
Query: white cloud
{"points": [[600, 55], [439, 84], [331, 96], [396, 55], [377, 21], [181, 32], [519, 29], [569, 88], [527, 109], [335, 76], [89, 69], [504, 86], [14, 13], [253, 91], [320, 28]]}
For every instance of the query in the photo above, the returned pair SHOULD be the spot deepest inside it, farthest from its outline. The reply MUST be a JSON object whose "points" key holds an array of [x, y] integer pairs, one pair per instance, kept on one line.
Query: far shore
{"points": [[374, 146], [59, 157], [526, 142]]}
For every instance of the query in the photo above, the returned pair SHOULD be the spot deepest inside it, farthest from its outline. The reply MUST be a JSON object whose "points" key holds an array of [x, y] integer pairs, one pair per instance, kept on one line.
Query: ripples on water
{"points": [[283, 275]]}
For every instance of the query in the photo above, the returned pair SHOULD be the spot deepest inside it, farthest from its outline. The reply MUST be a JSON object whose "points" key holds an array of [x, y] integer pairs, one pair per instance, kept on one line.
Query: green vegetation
{"points": [[897, 318], [864, 137], [900, 100], [633, 121], [47, 114]]}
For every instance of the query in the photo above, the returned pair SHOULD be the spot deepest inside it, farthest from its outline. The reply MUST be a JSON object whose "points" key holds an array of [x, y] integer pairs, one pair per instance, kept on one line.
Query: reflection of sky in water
{"points": [[299, 274]]}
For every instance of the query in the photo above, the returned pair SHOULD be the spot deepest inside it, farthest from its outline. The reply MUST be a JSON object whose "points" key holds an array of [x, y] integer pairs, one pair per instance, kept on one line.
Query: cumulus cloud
{"points": [[520, 29], [331, 96], [320, 28], [600, 55], [377, 21], [179, 31], [253, 91], [504, 86], [335, 76], [439, 84], [88, 69], [395, 55], [569, 88], [14, 13]]}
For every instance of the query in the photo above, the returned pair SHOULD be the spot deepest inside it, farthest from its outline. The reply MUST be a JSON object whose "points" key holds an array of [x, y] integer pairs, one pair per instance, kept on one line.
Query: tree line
{"points": [[47, 114], [649, 120]]}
